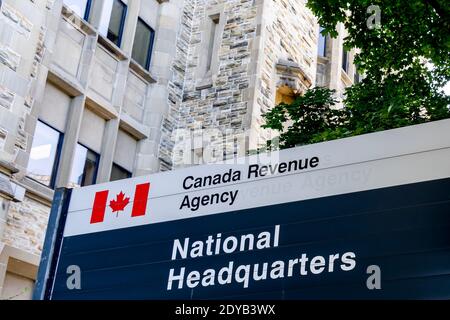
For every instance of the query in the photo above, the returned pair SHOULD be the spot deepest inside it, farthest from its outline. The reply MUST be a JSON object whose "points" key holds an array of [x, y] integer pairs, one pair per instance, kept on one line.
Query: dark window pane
{"points": [[143, 43], [119, 173], [345, 60], [44, 154], [90, 169], [116, 22], [85, 166], [322, 45]]}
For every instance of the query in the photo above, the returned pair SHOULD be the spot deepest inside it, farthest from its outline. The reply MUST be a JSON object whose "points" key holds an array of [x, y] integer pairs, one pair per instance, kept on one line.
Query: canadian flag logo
{"points": [[120, 203]]}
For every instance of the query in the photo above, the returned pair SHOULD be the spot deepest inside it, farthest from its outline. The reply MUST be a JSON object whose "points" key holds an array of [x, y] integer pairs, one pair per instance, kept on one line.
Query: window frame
{"points": [[122, 23], [121, 168], [150, 47], [345, 54], [97, 162], [87, 12], [57, 160], [322, 54]]}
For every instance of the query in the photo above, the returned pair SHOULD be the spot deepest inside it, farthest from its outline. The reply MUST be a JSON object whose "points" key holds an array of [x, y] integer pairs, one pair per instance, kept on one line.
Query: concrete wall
{"points": [[126, 148], [55, 106], [69, 48], [149, 12], [92, 131]]}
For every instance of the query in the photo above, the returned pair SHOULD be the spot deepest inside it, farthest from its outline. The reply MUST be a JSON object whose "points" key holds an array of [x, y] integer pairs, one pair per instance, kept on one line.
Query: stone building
{"points": [[97, 90]]}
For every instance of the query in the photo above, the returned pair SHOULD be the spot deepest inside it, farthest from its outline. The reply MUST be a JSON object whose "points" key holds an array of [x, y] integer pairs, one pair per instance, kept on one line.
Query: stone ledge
{"points": [[19, 261], [77, 21], [10, 167], [11, 189], [104, 109], [37, 191], [111, 48], [204, 84], [292, 68], [57, 78], [133, 127], [141, 72], [323, 60]]}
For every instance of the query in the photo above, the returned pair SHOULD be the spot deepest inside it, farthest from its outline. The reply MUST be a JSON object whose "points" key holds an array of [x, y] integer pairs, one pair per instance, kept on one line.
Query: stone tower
{"points": [[235, 59], [139, 86]]}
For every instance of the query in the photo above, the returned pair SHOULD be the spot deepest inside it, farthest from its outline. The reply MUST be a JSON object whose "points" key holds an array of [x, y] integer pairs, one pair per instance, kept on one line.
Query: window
{"points": [[143, 44], [212, 38], [322, 45], [117, 21], [45, 154], [345, 60], [85, 167], [80, 7], [119, 173]]}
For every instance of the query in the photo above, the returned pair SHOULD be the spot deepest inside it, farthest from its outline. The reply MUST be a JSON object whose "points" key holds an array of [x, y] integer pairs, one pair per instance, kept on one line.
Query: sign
{"points": [[366, 217]]}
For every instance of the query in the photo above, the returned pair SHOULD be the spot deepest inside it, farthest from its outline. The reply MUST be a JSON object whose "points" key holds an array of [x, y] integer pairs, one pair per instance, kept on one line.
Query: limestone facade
{"points": [[258, 46], [215, 65]]}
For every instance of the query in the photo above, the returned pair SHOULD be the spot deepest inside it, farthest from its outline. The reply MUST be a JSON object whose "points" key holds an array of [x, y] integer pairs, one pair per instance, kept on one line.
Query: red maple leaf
{"points": [[120, 203]]}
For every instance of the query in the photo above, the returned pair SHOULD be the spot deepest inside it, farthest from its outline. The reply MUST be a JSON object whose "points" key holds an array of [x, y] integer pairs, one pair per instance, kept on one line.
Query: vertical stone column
{"points": [[130, 26], [263, 19], [100, 15], [70, 141], [112, 125], [335, 64], [158, 94]]}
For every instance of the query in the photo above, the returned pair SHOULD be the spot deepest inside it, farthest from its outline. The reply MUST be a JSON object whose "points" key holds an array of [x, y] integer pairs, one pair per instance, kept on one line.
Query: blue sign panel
{"points": [[388, 243]]}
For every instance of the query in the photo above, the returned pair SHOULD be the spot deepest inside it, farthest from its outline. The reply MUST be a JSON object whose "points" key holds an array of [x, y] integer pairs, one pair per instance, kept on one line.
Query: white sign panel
{"points": [[390, 158]]}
